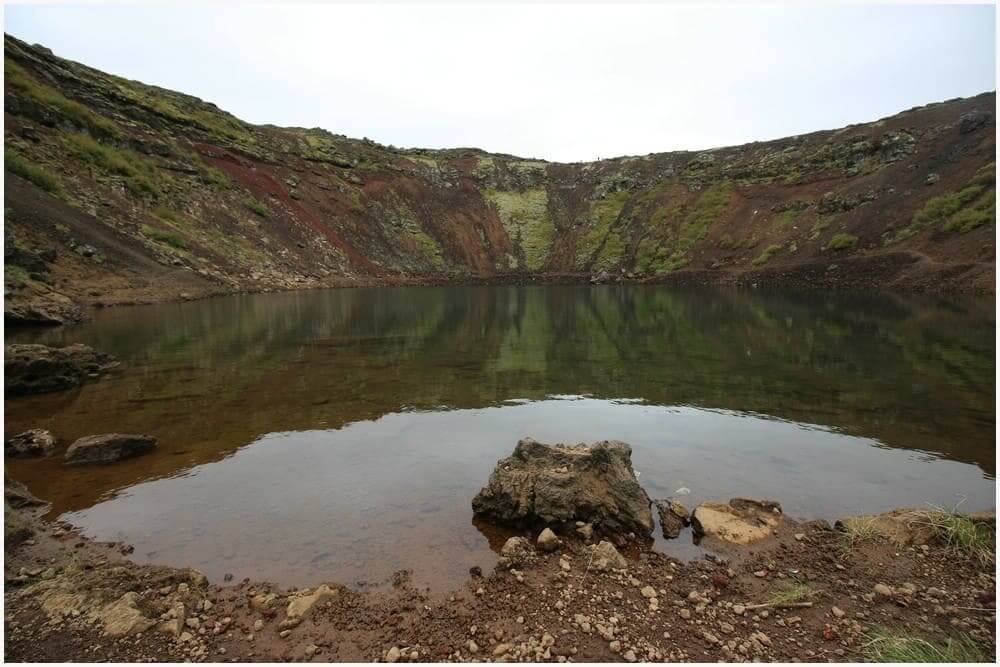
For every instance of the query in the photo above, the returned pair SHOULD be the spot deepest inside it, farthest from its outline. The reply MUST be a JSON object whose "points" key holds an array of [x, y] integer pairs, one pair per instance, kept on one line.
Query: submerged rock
{"points": [[742, 521], [542, 484], [107, 448], [34, 442], [36, 369], [673, 517], [905, 526]]}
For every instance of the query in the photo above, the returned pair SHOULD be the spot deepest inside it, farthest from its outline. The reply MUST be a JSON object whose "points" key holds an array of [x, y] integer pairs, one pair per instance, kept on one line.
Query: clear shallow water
{"points": [[340, 435]]}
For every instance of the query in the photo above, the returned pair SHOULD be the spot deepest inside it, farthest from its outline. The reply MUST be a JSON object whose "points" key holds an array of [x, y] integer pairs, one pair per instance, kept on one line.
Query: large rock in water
{"points": [[543, 484], [34, 442], [107, 448], [36, 369]]}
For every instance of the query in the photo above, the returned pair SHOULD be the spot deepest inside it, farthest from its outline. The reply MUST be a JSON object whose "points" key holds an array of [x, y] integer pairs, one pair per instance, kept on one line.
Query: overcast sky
{"points": [[559, 82]]}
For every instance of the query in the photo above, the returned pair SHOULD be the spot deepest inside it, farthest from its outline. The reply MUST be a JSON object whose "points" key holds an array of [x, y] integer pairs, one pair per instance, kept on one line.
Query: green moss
{"points": [[430, 248], [841, 242], [679, 227], [21, 81], [819, 226], [787, 218], [766, 255], [33, 173], [651, 257], [599, 237], [257, 206], [172, 239], [15, 275], [961, 211], [982, 212], [525, 218], [140, 175]]}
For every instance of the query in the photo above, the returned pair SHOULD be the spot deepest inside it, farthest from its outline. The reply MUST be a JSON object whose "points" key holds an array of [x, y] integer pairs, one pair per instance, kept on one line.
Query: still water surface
{"points": [[340, 435]]}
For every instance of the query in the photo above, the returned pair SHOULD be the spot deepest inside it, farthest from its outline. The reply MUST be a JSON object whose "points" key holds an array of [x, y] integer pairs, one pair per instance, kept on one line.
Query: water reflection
{"points": [[284, 371]]}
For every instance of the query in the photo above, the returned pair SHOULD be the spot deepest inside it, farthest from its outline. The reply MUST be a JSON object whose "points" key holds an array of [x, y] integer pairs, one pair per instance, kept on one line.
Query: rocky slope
{"points": [[121, 192]]}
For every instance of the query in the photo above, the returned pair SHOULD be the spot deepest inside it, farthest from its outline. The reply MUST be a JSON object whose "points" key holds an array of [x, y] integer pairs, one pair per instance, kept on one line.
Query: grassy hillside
{"points": [[119, 191]]}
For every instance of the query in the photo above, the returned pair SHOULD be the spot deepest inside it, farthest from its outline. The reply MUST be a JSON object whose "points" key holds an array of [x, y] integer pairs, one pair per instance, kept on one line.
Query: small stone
{"points": [[883, 590], [648, 592], [472, 646], [284, 633], [739, 609], [393, 655], [630, 655], [547, 540], [837, 611], [799, 537], [501, 649], [684, 613], [258, 625], [311, 650], [615, 646]]}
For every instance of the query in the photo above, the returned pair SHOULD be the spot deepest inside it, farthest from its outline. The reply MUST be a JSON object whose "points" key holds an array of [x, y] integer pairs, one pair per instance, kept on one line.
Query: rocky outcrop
{"points": [[34, 442], [108, 448], [36, 369], [673, 517], [558, 485], [741, 521]]}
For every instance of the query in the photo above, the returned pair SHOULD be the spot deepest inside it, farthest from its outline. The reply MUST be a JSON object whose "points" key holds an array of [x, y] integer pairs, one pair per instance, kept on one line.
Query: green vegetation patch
{"points": [[971, 207], [172, 239], [790, 591], [140, 175], [20, 80], [31, 172], [964, 536], [896, 645], [603, 216], [842, 242], [525, 218], [429, 247], [766, 254], [679, 227], [257, 206]]}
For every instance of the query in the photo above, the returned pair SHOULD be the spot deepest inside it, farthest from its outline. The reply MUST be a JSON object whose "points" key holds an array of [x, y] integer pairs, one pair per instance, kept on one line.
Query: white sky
{"points": [[560, 82]]}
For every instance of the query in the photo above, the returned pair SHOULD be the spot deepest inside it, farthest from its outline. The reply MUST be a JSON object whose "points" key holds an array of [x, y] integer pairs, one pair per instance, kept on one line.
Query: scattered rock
{"points": [[560, 484], [36, 369], [547, 540], [303, 604], [604, 557], [34, 442], [107, 448], [517, 551]]}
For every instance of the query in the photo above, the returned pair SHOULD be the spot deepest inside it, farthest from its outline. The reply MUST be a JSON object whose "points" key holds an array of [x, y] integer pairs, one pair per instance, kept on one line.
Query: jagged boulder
{"points": [[742, 521], [34, 442], [540, 485], [673, 517], [107, 448], [36, 369]]}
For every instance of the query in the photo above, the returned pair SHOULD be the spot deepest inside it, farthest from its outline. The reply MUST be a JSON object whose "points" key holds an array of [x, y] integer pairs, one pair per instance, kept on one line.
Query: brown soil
{"points": [[537, 613]]}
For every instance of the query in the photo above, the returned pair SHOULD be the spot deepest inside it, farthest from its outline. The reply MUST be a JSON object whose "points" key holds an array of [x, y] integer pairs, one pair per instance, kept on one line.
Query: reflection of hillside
{"points": [[210, 376]]}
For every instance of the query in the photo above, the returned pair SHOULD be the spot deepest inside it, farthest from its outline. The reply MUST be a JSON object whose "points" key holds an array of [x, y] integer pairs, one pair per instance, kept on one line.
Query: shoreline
{"points": [[805, 276], [70, 598]]}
